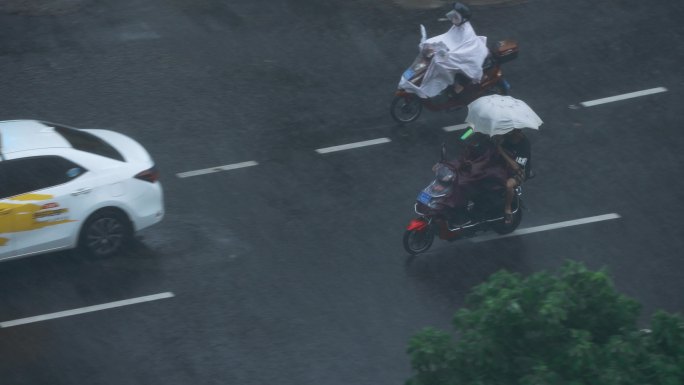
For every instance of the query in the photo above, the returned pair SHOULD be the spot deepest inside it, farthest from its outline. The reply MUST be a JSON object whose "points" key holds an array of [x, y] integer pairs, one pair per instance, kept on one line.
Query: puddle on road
{"points": [[139, 31]]}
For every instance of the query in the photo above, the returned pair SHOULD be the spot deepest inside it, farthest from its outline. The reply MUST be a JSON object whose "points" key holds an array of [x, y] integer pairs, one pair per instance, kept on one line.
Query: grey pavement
{"points": [[292, 271]]}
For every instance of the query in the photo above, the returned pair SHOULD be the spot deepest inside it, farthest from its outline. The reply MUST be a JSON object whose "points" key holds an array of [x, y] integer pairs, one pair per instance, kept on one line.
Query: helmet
{"points": [[459, 14]]}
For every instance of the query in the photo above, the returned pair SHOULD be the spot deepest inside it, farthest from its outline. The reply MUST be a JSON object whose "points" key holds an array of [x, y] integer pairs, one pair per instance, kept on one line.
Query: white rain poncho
{"points": [[457, 50]]}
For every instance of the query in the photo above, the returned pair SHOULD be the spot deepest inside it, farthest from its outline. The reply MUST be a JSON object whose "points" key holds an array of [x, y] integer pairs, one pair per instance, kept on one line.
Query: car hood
{"points": [[131, 150]]}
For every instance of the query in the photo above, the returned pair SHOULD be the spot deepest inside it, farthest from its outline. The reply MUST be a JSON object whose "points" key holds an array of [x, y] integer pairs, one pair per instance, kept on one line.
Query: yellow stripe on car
{"points": [[27, 216], [31, 197]]}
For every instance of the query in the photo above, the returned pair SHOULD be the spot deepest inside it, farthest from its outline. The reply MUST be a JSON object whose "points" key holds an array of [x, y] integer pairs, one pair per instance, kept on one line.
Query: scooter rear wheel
{"points": [[418, 241], [406, 108]]}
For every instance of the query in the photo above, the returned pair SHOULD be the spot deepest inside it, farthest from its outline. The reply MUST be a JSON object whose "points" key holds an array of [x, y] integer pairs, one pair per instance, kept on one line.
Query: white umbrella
{"points": [[497, 114]]}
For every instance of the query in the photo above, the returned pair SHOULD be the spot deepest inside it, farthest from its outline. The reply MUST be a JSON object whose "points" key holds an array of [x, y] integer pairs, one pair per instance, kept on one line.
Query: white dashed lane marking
{"points": [[456, 127], [352, 145], [88, 309], [217, 169], [552, 226], [630, 95]]}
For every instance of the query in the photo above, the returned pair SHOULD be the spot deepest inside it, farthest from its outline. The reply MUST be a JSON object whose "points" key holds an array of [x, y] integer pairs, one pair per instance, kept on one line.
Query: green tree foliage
{"points": [[572, 328]]}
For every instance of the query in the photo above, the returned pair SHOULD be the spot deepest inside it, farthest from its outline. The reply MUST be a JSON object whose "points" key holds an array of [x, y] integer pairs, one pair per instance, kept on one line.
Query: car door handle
{"points": [[81, 191], [5, 211]]}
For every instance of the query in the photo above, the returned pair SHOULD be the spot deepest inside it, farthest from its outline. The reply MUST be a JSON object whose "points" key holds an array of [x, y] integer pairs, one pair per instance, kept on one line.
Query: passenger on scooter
{"points": [[459, 53], [515, 149]]}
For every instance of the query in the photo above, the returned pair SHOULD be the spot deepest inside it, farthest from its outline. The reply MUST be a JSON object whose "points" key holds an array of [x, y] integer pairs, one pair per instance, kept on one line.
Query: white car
{"points": [[62, 188]]}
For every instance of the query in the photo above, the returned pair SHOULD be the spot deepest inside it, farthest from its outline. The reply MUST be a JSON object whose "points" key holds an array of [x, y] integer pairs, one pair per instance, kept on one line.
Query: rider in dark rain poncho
{"points": [[480, 168]]}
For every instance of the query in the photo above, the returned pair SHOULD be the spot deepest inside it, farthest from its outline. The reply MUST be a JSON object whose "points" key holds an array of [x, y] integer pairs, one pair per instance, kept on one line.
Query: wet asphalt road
{"points": [[292, 271]]}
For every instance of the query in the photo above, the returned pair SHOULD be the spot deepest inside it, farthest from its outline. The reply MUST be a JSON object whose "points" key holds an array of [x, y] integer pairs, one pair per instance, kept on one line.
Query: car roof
{"points": [[22, 135]]}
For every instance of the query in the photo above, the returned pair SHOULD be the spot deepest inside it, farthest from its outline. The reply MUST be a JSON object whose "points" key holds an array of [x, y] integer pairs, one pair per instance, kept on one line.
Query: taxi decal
{"points": [[31, 216], [50, 205], [50, 215]]}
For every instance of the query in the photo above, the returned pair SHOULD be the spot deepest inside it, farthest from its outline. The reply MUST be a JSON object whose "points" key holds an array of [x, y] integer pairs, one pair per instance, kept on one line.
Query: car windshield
{"points": [[84, 141]]}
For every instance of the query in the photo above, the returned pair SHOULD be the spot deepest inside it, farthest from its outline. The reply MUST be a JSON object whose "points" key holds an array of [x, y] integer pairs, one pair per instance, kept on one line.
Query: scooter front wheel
{"points": [[406, 108], [418, 241]]}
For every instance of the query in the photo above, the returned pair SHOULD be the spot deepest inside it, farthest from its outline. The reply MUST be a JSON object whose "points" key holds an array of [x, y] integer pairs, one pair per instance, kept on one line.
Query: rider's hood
{"points": [[455, 37], [462, 52]]}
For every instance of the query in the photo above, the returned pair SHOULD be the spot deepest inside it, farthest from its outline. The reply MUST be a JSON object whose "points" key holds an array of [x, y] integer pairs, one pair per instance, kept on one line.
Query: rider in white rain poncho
{"points": [[458, 51]]}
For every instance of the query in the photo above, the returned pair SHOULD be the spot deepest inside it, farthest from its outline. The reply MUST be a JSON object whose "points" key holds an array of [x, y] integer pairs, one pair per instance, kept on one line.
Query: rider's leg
{"points": [[511, 184]]}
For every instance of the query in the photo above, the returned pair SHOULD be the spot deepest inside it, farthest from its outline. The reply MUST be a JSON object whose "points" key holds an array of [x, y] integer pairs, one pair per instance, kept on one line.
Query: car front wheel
{"points": [[105, 233]]}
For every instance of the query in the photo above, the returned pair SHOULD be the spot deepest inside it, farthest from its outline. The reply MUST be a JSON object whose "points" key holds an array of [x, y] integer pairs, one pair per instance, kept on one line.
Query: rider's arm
{"points": [[524, 155], [511, 163], [515, 166]]}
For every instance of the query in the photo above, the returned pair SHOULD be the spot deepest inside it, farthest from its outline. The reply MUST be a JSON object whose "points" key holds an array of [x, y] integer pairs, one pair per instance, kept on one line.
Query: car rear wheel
{"points": [[105, 233]]}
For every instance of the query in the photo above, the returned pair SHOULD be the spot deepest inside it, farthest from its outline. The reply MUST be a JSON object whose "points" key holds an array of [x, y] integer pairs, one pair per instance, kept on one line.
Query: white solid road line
{"points": [[352, 145], [87, 309], [217, 169], [623, 96], [552, 226], [456, 127]]}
